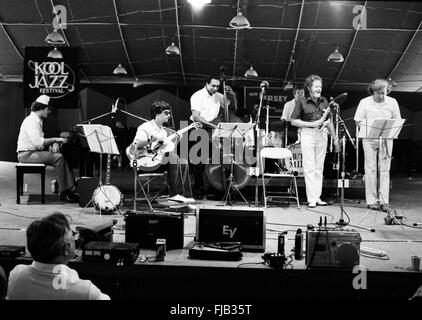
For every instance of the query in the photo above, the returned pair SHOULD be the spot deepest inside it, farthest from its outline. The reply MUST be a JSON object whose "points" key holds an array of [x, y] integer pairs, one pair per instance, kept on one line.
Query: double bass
{"points": [[218, 174]]}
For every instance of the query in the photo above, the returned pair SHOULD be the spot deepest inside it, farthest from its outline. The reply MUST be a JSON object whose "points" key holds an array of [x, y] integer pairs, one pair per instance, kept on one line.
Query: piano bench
{"points": [[21, 169]]}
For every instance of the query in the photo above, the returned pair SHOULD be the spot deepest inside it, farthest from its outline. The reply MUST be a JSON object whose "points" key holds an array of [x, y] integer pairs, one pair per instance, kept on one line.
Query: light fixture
{"points": [[197, 4], [172, 49], [55, 54], [392, 82], [335, 56], [137, 83], [288, 86], [55, 38], [251, 72], [239, 22], [119, 70]]}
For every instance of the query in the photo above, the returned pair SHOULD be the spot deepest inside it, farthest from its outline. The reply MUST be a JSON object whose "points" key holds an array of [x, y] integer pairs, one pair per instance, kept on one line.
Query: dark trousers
{"points": [[177, 175]]}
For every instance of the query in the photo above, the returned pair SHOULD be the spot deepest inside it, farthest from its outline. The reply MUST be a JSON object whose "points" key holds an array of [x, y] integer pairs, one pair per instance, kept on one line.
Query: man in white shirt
{"points": [[52, 245], [207, 105], [291, 132], [180, 190], [31, 144], [377, 106]]}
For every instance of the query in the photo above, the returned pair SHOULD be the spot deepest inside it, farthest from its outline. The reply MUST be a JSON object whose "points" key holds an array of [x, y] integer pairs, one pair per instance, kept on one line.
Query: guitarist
{"points": [[177, 168], [310, 114], [207, 106]]}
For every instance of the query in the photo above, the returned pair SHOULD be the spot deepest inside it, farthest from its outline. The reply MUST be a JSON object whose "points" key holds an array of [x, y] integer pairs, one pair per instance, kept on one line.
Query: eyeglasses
{"points": [[215, 85], [167, 113]]}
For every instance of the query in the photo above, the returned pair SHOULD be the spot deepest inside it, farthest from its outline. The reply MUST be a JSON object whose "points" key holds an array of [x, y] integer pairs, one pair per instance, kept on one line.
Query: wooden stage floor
{"points": [[399, 243]]}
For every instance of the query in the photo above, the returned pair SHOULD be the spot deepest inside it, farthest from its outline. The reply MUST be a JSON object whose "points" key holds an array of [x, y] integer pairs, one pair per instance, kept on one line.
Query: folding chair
{"points": [[144, 180], [287, 156]]}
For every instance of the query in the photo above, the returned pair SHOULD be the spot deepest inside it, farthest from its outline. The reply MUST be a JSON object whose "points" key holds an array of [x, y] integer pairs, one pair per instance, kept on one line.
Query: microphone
{"points": [[264, 84], [114, 108]]}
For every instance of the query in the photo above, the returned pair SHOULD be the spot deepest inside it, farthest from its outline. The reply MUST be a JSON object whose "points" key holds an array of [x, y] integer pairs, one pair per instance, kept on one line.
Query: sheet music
{"points": [[384, 128], [100, 138]]}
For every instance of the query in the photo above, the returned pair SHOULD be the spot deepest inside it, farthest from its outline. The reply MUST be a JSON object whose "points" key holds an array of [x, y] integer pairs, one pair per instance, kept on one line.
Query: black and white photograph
{"points": [[211, 159]]}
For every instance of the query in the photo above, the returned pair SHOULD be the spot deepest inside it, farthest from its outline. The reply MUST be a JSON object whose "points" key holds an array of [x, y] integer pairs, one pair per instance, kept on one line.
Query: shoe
{"points": [[384, 207], [67, 196], [181, 199], [321, 203], [188, 200], [373, 207], [312, 204]]}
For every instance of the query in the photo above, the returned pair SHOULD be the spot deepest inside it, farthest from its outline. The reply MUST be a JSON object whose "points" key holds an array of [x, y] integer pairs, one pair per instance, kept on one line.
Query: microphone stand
{"points": [[258, 141]]}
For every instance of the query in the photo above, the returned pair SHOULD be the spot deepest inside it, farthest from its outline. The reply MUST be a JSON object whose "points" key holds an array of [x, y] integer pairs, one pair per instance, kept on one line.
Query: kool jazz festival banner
{"points": [[57, 78]]}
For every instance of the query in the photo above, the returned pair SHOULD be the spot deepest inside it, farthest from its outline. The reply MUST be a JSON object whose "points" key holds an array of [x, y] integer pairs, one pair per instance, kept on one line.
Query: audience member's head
{"points": [[50, 240]]}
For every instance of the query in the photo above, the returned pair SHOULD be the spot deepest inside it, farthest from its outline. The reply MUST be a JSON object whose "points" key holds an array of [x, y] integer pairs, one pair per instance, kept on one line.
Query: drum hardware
{"points": [[263, 85]]}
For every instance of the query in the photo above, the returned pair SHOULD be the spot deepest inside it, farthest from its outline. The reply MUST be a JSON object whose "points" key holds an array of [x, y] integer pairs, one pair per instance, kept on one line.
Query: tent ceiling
{"points": [[136, 33]]}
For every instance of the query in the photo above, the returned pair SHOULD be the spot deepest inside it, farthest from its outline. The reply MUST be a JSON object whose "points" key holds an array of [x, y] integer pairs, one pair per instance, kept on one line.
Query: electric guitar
{"points": [[150, 157]]}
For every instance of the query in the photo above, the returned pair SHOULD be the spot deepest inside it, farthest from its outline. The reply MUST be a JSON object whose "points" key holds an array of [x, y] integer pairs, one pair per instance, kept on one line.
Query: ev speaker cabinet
{"points": [[228, 224]]}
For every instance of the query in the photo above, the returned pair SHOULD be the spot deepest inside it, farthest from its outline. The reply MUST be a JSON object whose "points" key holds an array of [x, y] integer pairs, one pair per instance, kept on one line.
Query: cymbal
{"points": [[340, 98]]}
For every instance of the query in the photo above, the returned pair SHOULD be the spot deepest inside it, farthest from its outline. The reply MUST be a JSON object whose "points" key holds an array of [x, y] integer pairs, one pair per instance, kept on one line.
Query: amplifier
{"points": [[86, 187], [145, 228], [115, 252], [332, 248], [102, 231], [11, 251], [229, 224]]}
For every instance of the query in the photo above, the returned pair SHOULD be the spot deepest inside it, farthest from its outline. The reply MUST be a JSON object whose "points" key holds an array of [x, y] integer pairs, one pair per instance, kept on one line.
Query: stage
{"points": [[179, 278]]}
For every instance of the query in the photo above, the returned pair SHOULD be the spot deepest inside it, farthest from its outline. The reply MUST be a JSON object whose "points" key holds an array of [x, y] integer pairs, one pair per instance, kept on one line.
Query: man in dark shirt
{"points": [[312, 115]]}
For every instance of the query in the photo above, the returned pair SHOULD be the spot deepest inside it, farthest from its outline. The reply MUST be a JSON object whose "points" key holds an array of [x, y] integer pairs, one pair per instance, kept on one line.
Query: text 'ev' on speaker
{"points": [[228, 224], [145, 228]]}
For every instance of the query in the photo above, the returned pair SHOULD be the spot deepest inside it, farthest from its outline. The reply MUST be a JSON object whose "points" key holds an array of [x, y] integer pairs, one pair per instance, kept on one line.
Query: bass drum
{"points": [[107, 198], [218, 173]]}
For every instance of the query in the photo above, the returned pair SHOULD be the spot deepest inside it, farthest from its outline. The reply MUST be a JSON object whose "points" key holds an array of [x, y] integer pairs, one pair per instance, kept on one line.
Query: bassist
{"points": [[177, 168]]}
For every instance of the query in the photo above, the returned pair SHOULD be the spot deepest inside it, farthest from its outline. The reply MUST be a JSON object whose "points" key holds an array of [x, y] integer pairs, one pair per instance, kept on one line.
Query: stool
{"points": [[23, 168]]}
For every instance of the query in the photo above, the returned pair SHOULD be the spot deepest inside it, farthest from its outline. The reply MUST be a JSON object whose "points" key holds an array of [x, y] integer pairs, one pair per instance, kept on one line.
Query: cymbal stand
{"points": [[257, 144], [341, 223], [342, 156]]}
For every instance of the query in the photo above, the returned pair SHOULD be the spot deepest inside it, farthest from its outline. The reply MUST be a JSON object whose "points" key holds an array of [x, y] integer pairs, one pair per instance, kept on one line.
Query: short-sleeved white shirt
{"points": [[207, 105], [369, 109]]}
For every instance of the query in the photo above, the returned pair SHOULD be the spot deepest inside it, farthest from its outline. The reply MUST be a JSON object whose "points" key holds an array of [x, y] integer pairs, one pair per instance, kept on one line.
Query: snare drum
{"points": [[297, 162]]}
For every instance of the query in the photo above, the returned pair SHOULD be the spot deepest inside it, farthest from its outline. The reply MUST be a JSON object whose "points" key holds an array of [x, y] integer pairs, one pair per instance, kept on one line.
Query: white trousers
{"points": [[370, 149], [314, 148]]}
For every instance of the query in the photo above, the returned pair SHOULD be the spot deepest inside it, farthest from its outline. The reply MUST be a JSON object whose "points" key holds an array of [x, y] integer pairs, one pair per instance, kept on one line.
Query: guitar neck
{"points": [[107, 179], [178, 133]]}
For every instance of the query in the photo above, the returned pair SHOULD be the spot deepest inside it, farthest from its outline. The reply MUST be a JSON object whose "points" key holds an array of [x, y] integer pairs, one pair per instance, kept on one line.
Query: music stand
{"points": [[231, 130], [381, 129], [100, 140]]}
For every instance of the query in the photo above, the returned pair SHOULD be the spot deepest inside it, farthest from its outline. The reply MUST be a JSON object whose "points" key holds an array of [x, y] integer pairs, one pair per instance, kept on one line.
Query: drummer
{"points": [[292, 133]]}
